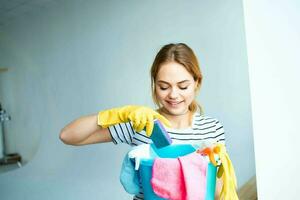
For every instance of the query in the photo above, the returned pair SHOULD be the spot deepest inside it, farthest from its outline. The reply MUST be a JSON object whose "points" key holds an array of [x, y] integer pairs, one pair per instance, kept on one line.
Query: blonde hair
{"points": [[184, 55]]}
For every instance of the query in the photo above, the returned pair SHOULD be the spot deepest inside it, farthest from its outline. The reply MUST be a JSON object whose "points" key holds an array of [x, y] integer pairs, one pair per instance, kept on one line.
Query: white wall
{"points": [[79, 57], [272, 30]]}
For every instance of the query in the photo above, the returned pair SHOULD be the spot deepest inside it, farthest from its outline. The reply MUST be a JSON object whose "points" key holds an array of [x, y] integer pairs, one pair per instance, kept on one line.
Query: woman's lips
{"points": [[174, 103]]}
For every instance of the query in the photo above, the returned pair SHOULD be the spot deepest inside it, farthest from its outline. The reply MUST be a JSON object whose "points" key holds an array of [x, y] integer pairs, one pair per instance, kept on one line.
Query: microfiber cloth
{"points": [[182, 178], [194, 167], [129, 176], [167, 179]]}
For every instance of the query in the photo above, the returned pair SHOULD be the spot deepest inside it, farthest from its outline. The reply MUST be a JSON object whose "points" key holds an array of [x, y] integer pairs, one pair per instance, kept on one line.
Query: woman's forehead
{"points": [[173, 72]]}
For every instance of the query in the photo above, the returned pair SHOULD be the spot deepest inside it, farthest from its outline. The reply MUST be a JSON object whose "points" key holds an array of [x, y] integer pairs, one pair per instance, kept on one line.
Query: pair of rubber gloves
{"points": [[225, 171], [140, 116], [227, 174]]}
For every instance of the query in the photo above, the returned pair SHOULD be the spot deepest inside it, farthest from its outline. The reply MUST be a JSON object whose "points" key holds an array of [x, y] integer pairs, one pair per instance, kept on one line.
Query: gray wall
{"points": [[78, 57]]}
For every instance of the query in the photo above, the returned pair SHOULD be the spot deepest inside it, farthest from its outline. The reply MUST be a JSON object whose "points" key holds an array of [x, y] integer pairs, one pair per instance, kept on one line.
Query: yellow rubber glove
{"points": [[226, 171], [140, 116]]}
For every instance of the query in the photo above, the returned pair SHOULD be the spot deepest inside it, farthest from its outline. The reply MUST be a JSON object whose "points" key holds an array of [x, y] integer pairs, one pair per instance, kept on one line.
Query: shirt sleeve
{"points": [[124, 133], [220, 132], [121, 133]]}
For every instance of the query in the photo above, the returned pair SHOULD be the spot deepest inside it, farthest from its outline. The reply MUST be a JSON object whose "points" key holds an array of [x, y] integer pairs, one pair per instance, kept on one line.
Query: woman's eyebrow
{"points": [[184, 81]]}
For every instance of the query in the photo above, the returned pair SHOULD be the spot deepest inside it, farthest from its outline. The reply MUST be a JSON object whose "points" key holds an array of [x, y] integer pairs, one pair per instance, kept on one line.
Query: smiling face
{"points": [[175, 88], [175, 79]]}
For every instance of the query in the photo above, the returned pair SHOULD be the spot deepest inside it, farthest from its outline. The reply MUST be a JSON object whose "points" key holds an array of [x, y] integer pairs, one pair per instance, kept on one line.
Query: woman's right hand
{"points": [[140, 116]]}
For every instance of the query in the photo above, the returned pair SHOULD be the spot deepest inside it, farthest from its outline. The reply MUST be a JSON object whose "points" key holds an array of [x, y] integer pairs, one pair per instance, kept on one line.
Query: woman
{"points": [[175, 79]]}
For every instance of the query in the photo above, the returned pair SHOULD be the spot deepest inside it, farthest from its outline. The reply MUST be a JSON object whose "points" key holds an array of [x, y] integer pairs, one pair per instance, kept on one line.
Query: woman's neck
{"points": [[178, 121]]}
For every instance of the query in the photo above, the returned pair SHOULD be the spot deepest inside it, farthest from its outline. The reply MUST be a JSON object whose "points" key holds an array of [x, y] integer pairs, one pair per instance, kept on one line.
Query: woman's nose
{"points": [[173, 93]]}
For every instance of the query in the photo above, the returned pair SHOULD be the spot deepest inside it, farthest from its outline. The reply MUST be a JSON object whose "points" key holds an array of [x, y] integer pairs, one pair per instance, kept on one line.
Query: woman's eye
{"points": [[183, 88], [163, 88]]}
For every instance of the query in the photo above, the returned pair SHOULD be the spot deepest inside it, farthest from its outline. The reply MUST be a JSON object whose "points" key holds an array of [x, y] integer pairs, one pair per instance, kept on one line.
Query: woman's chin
{"points": [[175, 111]]}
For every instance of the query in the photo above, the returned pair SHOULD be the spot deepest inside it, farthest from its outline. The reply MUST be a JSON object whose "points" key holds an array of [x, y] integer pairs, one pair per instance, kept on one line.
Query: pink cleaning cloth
{"points": [[182, 178], [167, 179], [194, 167]]}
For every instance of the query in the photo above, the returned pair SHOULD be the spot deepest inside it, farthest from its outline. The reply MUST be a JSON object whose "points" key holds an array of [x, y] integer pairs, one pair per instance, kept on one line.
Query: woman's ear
{"points": [[197, 85]]}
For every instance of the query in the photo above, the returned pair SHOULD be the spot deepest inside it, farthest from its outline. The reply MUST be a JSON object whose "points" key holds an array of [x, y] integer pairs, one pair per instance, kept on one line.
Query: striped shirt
{"points": [[204, 129]]}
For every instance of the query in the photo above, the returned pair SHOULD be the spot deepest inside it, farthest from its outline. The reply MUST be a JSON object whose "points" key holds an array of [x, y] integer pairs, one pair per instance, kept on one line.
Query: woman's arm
{"points": [[84, 130]]}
